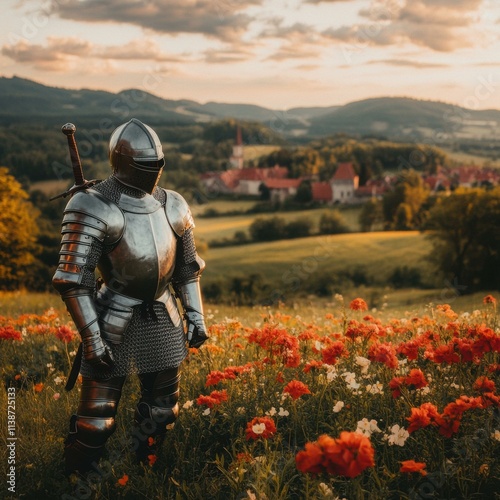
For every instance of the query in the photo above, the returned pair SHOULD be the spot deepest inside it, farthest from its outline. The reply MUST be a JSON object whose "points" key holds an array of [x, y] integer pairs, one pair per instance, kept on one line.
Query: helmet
{"points": [[136, 155]]}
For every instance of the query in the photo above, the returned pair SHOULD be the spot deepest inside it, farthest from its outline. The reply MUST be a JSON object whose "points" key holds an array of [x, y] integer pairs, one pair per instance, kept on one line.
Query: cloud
{"points": [[61, 53], [441, 25], [222, 19], [411, 64], [224, 56]]}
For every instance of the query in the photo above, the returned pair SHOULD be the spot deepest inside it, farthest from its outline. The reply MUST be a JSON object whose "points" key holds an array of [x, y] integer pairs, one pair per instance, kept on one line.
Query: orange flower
{"points": [[422, 417], [395, 386], [349, 455], [38, 387], [412, 466], [215, 398], [123, 480], [9, 333], [484, 384], [416, 378], [296, 389], [152, 459], [383, 353], [489, 299], [260, 427], [358, 305], [65, 333], [332, 352]]}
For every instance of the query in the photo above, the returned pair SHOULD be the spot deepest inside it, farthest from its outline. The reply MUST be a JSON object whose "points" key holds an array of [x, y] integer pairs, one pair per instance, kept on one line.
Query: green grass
{"points": [[217, 228], [378, 252]]}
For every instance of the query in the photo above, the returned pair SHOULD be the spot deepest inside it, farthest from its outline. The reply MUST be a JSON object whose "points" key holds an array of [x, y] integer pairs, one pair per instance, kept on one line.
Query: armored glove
{"points": [[95, 350], [190, 297], [196, 329]]}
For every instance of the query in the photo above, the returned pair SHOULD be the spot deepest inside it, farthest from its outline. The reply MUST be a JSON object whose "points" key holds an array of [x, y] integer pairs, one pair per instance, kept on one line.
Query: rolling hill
{"points": [[397, 118]]}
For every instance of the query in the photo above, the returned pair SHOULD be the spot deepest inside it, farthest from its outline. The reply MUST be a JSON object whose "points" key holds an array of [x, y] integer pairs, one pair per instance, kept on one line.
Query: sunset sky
{"points": [[275, 53]]}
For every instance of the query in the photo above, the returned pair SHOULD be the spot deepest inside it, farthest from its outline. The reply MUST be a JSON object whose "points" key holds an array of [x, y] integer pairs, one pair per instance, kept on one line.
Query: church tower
{"points": [[236, 159]]}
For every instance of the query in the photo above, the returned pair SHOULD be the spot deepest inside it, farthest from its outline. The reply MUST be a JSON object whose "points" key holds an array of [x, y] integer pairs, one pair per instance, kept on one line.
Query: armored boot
{"points": [[157, 409], [92, 425]]}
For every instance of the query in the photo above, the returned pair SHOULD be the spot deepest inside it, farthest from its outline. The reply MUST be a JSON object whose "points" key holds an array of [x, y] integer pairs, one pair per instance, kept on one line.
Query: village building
{"points": [[344, 183]]}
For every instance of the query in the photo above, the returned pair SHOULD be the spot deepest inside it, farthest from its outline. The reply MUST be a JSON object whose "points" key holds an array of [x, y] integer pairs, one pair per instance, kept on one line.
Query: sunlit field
{"points": [[313, 399]]}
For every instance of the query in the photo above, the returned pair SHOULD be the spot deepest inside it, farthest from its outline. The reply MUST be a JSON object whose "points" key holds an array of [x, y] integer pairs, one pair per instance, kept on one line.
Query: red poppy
{"points": [[334, 351], [489, 299], [296, 389], [412, 466], [260, 428], [383, 353], [484, 384], [152, 459], [9, 333], [123, 480], [358, 305], [416, 379], [65, 333]]}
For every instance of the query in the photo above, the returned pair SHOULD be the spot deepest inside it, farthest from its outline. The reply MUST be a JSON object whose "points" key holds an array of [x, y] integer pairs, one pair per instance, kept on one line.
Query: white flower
{"points": [[339, 298], [241, 410], [364, 363], [398, 435], [423, 390], [58, 380], [325, 490], [376, 388], [496, 435], [367, 427], [188, 404], [206, 412], [283, 412], [338, 406], [258, 428], [331, 373], [271, 412], [350, 380], [318, 345]]}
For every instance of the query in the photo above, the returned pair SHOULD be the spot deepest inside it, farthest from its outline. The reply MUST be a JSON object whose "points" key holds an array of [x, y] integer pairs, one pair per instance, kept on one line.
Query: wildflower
{"points": [[376, 388], [260, 427], [412, 466], [366, 427], [496, 435], [489, 299], [350, 380], [58, 380], [383, 353], [215, 398], [283, 413], [65, 333], [349, 455], [152, 459], [56, 396], [416, 379], [398, 435], [338, 406], [123, 480], [421, 417], [188, 404], [312, 365], [364, 363], [38, 387], [271, 412], [358, 305], [9, 333], [206, 412], [296, 389], [334, 351], [484, 384], [395, 386]]}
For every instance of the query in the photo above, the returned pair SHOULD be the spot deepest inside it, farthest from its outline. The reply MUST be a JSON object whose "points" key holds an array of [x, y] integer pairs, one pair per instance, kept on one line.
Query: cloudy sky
{"points": [[275, 53]]}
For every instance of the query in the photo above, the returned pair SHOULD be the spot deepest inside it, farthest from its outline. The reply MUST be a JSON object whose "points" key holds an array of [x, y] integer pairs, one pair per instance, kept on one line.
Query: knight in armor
{"points": [[140, 238]]}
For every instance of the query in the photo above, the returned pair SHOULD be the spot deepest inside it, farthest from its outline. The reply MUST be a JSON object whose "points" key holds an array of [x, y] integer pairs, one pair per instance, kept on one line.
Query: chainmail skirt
{"points": [[151, 343]]}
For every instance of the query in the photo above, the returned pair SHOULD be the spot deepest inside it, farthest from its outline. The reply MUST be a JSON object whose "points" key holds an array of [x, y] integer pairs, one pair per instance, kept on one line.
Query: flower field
{"points": [[346, 405]]}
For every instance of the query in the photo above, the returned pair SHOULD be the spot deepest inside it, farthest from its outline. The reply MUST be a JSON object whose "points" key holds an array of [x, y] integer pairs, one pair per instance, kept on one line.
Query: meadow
{"points": [[311, 400]]}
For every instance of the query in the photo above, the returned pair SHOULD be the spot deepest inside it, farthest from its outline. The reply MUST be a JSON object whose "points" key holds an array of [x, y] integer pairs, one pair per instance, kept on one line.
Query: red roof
{"points": [[345, 172], [282, 183], [321, 191]]}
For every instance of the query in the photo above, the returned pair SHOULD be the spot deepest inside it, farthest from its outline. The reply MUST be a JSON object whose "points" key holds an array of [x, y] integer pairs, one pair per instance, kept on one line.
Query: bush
{"points": [[268, 229], [333, 223], [299, 228], [404, 276]]}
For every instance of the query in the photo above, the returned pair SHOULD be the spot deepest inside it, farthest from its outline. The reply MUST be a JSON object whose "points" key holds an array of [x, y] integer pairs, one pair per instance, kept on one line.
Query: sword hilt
{"points": [[69, 131]]}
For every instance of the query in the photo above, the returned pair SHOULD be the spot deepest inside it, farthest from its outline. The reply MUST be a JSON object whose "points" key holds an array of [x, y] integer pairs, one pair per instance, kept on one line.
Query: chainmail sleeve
{"points": [[188, 264]]}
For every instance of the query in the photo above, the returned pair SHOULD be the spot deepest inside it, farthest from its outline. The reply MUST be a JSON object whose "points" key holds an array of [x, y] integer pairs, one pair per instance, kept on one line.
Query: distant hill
{"points": [[23, 101]]}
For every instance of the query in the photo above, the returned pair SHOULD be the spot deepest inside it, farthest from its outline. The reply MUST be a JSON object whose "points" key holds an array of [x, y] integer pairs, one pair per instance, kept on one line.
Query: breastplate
{"points": [[142, 263]]}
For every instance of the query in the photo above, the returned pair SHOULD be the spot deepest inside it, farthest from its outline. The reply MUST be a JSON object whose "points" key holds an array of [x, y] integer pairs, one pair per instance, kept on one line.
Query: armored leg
{"points": [[93, 423], [157, 408]]}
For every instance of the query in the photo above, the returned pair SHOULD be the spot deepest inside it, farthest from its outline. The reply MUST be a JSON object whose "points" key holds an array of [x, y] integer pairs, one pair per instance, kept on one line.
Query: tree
{"points": [[411, 191], [18, 232], [466, 241], [268, 229], [371, 213], [304, 192], [332, 223]]}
